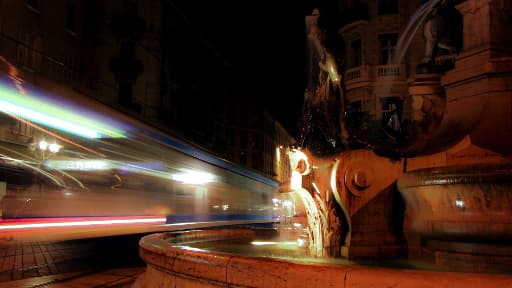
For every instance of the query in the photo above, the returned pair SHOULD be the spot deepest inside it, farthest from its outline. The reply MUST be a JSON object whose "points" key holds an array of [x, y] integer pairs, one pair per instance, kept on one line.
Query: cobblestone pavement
{"points": [[33, 259], [112, 278], [59, 264]]}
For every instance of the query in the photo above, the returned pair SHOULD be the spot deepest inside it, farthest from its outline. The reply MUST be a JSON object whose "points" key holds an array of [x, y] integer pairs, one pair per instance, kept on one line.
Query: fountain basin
{"points": [[172, 263], [460, 217], [464, 203]]}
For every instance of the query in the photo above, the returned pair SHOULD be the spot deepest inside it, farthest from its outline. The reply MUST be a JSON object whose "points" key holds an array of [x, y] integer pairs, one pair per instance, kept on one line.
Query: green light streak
{"points": [[37, 111]]}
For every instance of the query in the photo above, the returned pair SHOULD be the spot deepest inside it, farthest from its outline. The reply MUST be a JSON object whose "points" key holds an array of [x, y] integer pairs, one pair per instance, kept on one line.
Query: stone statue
{"points": [[320, 129], [442, 31]]}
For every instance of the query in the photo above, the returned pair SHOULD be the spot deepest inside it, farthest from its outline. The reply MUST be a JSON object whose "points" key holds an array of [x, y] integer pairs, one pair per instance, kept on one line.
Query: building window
{"points": [[356, 53], [244, 120], [243, 158], [243, 140], [387, 45], [388, 7], [391, 108], [354, 114], [19, 128], [28, 55], [256, 161], [230, 136], [217, 132], [70, 17]]}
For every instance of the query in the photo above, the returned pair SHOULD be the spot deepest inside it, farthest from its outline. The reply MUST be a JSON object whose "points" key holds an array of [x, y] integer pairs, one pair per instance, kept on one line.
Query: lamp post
{"points": [[41, 148]]}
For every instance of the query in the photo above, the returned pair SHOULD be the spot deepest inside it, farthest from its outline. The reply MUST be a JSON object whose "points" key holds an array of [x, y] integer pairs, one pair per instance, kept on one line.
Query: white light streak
{"points": [[184, 247], [37, 117], [261, 243], [193, 177], [316, 187], [79, 165]]}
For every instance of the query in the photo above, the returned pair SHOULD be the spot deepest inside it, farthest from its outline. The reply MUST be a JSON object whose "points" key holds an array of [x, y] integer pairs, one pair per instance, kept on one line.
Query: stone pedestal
{"points": [[377, 229]]}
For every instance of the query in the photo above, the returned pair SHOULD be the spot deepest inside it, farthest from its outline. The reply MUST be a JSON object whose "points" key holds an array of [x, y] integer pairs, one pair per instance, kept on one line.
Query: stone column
{"points": [[480, 82], [487, 25]]}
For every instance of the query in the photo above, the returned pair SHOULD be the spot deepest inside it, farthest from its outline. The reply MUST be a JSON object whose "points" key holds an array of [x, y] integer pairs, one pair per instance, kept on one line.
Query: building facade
{"points": [[253, 138], [144, 58], [383, 48]]}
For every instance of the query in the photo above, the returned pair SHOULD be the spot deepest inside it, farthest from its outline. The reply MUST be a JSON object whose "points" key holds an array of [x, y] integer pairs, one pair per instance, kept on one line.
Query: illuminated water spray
{"points": [[319, 202]]}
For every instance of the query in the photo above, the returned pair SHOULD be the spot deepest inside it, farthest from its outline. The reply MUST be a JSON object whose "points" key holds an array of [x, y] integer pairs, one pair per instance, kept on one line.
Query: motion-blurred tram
{"points": [[75, 157]]}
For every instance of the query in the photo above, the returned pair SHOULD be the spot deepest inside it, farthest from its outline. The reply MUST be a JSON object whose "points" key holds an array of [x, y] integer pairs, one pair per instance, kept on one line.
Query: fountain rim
{"points": [[457, 175], [168, 263]]}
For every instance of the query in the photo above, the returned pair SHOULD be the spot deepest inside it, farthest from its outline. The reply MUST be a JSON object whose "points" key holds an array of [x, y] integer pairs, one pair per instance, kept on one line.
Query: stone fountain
{"points": [[449, 159], [438, 190]]}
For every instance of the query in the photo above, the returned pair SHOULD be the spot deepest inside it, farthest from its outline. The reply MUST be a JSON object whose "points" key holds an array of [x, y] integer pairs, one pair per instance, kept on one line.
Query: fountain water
{"points": [[410, 30]]}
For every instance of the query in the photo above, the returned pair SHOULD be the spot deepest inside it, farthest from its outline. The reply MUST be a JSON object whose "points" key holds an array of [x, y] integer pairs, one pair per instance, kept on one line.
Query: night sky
{"points": [[264, 43]]}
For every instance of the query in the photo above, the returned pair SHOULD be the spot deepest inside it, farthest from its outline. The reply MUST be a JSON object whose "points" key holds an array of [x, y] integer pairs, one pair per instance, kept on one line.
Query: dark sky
{"points": [[264, 42]]}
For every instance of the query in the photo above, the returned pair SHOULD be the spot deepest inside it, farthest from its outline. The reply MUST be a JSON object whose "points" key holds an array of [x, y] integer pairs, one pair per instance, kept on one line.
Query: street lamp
{"points": [[42, 146], [52, 147]]}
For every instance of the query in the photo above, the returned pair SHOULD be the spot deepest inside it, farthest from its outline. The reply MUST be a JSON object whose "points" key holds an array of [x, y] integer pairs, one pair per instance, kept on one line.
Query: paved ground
{"points": [[79, 263], [113, 278]]}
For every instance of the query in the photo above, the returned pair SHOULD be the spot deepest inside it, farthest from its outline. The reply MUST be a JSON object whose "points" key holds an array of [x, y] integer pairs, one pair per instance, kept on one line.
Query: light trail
{"points": [[18, 224], [57, 136]]}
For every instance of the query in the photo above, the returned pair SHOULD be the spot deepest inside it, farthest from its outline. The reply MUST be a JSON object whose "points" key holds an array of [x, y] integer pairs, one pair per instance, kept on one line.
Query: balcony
{"points": [[357, 74], [363, 75], [447, 62], [388, 71]]}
